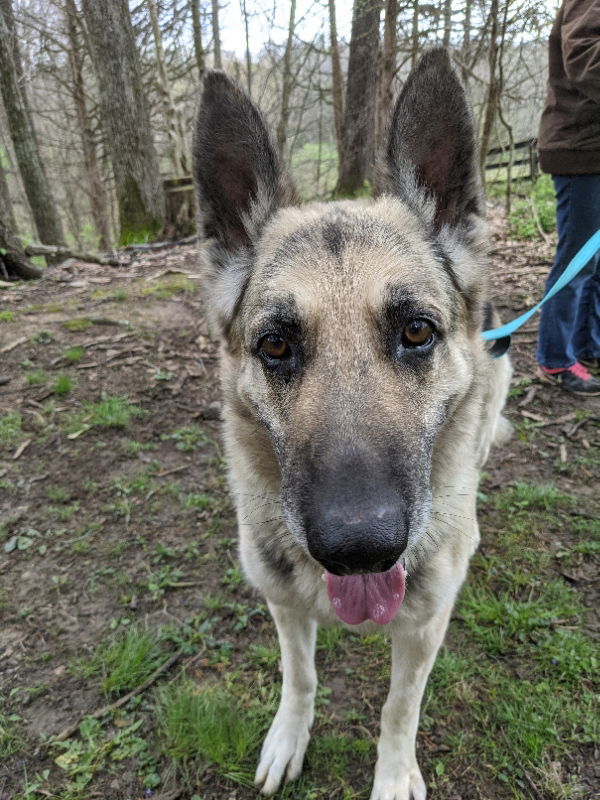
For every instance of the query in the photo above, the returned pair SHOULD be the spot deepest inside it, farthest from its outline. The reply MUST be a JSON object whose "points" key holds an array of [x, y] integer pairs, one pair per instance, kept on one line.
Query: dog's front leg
{"points": [[283, 749], [397, 774]]}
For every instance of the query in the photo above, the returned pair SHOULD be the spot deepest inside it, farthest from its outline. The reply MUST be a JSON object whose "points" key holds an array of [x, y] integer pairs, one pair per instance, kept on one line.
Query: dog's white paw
{"points": [[283, 751], [394, 786]]}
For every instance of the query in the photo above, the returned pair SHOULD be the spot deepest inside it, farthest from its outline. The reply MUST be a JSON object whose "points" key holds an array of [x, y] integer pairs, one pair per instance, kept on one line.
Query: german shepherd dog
{"points": [[359, 399]]}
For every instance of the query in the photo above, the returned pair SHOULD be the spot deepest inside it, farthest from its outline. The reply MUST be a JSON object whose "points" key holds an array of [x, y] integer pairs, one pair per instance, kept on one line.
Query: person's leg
{"points": [[567, 319]]}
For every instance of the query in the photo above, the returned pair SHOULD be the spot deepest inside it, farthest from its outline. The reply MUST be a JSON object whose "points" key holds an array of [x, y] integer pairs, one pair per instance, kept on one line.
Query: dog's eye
{"points": [[417, 333], [274, 347]]}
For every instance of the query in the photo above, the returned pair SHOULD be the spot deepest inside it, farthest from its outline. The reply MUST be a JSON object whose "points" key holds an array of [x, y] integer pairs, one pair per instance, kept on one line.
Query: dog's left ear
{"points": [[431, 158]]}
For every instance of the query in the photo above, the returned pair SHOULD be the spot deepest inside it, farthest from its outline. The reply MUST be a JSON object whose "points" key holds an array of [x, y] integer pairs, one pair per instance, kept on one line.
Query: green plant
{"points": [[7, 316], [539, 203], [10, 429], [36, 377], [62, 385], [80, 324], [128, 658], [74, 354]]}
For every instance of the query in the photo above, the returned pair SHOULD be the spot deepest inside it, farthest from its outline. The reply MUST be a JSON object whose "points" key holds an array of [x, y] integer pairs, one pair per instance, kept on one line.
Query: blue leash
{"points": [[502, 335]]}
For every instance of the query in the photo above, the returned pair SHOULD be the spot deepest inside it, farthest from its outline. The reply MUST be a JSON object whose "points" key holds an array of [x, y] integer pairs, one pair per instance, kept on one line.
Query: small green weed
{"points": [[7, 316], [188, 439], [10, 429], [62, 385], [58, 494], [75, 325], [110, 412], [166, 288], [129, 658], [74, 354], [132, 448], [10, 741], [36, 377]]}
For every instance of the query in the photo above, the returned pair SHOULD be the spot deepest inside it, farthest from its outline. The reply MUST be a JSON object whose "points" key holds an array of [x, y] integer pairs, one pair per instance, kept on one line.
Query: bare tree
{"points": [[337, 82], [197, 31], [22, 132], [96, 189], [217, 62], [286, 89], [244, 10], [175, 123], [385, 93], [125, 117], [356, 156], [6, 207]]}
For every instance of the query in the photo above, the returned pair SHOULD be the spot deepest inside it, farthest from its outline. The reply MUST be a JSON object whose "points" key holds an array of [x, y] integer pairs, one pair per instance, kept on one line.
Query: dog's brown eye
{"points": [[274, 347], [417, 333]]}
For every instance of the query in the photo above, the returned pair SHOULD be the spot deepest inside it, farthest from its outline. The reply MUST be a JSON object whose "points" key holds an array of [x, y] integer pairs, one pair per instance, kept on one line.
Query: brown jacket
{"points": [[569, 136]]}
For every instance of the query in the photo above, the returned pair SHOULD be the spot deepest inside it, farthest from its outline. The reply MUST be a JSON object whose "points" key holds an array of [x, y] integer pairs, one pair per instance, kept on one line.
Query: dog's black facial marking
{"points": [[488, 316], [279, 323], [401, 311], [274, 557]]}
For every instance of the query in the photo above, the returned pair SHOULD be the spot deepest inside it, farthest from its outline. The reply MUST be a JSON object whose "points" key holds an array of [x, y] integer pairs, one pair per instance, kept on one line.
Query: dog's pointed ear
{"points": [[431, 158], [239, 178]]}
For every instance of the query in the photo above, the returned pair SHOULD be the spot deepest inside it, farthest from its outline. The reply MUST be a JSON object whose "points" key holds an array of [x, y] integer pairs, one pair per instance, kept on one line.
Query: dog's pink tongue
{"points": [[377, 597]]}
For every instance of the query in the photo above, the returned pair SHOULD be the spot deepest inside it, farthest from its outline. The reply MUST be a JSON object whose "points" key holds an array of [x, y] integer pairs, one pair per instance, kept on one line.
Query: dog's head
{"points": [[348, 328]]}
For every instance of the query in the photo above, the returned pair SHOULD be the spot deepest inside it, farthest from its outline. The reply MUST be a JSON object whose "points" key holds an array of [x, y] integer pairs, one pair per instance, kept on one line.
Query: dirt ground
{"points": [[104, 526]]}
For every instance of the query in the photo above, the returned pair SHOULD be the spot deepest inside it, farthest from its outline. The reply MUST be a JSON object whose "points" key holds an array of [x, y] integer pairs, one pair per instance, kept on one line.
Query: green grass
{"points": [[10, 740], [10, 429], [210, 722], [36, 377], [110, 412], [7, 316], [128, 658], [75, 325], [62, 385], [188, 439], [58, 494], [74, 354], [166, 288], [540, 195]]}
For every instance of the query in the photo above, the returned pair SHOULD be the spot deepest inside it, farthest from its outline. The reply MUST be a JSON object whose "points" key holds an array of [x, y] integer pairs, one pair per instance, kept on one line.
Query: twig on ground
{"points": [[101, 712]]}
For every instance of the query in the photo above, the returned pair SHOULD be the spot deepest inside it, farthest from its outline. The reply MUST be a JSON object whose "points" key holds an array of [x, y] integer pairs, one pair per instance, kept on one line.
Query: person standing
{"points": [[569, 148]]}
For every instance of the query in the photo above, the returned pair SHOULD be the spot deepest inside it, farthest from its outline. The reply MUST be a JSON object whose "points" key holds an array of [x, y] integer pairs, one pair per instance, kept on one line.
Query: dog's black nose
{"points": [[350, 538]]}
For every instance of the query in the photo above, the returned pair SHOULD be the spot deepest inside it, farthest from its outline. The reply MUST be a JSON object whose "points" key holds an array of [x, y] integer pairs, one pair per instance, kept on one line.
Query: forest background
{"points": [[97, 100]]}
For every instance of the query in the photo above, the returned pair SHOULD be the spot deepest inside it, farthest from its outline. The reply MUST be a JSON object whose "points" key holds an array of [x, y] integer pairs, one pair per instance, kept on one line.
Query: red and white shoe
{"points": [[576, 379]]}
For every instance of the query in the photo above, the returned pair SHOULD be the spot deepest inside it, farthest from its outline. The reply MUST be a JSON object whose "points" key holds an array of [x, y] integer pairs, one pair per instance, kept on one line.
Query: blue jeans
{"points": [[570, 321]]}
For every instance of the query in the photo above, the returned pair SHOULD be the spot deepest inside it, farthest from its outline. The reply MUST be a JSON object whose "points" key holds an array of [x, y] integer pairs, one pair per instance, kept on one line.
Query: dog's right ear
{"points": [[240, 183]]}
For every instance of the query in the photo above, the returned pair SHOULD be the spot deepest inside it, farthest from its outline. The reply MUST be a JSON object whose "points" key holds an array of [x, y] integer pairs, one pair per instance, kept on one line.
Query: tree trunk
{"points": [[286, 89], [6, 207], [494, 87], [96, 189], [126, 118], [447, 22], [197, 31], [12, 254], [175, 123], [336, 79], [357, 155], [385, 94], [217, 63], [35, 182], [244, 11], [414, 34]]}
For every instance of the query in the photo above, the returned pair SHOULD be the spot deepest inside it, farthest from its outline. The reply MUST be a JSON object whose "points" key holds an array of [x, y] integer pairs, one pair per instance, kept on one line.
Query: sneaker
{"points": [[574, 379], [592, 364]]}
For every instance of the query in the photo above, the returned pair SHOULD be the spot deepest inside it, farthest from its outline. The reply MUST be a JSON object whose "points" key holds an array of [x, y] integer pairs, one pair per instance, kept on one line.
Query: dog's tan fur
{"points": [[333, 266]]}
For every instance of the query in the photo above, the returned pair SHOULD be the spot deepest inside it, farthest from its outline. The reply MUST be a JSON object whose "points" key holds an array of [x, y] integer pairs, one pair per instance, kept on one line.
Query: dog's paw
{"points": [[408, 786], [282, 753]]}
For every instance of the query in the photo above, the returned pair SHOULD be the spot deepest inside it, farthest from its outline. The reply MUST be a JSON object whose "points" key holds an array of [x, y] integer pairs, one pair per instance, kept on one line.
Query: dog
{"points": [[360, 401]]}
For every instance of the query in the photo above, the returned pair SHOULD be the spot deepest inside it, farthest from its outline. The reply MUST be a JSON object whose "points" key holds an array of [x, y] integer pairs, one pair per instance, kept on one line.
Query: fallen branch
{"points": [[102, 712], [64, 253]]}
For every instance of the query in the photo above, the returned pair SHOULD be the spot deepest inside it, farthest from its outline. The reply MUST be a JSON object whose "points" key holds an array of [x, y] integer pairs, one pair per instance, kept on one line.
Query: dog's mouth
{"points": [[376, 596]]}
